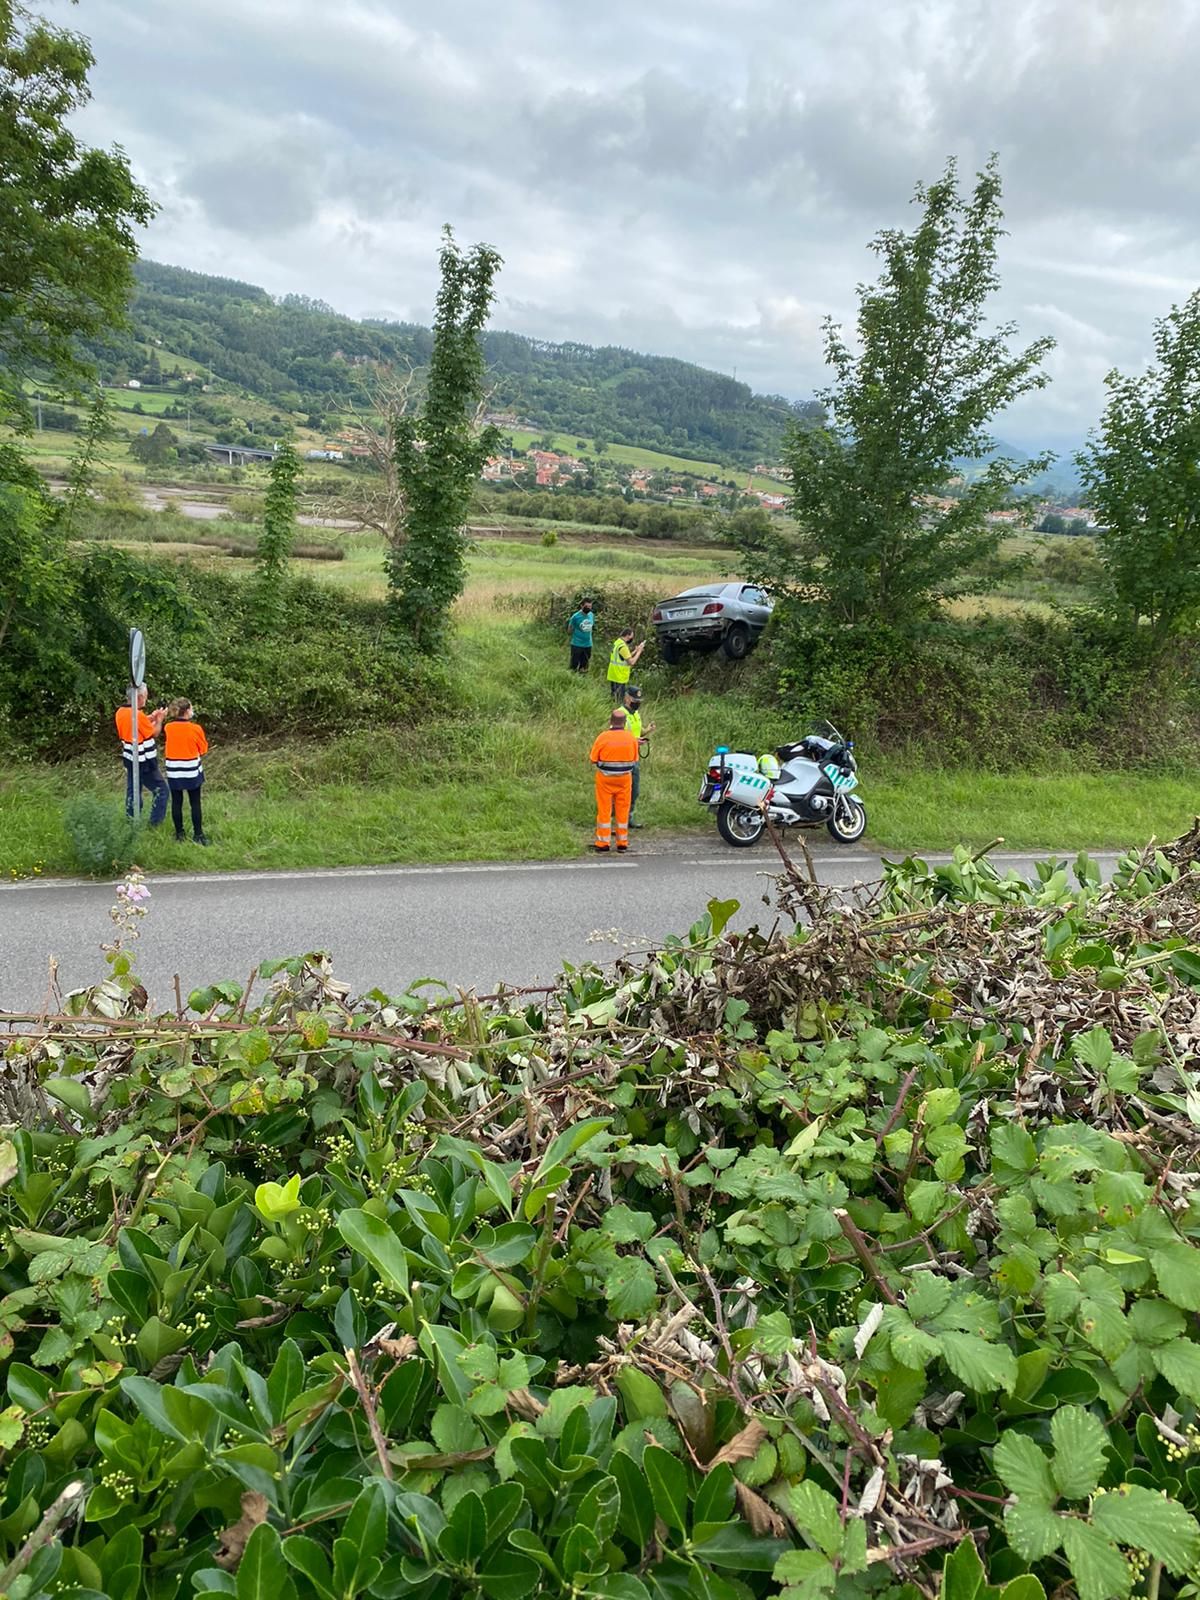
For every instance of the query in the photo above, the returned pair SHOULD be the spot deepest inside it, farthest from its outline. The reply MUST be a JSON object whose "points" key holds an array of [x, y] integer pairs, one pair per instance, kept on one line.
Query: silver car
{"points": [[726, 616]]}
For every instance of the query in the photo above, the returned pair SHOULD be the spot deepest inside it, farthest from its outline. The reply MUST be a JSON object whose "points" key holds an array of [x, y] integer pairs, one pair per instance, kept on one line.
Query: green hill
{"points": [[299, 355]]}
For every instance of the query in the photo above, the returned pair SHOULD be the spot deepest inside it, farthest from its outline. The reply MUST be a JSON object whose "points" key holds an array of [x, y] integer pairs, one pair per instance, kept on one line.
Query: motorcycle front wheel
{"points": [[849, 820], [740, 825]]}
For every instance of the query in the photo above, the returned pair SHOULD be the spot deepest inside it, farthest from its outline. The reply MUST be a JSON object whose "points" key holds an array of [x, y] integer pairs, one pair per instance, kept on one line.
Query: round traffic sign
{"points": [[137, 658]]}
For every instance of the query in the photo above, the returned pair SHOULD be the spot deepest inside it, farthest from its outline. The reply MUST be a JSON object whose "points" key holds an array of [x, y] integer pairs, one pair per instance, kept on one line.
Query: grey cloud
{"points": [[262, 193], [688, 177]]}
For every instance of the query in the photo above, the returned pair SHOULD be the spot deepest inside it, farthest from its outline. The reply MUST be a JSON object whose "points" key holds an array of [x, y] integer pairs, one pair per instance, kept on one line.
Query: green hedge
{"points": [[997, 691], [333, 666]]}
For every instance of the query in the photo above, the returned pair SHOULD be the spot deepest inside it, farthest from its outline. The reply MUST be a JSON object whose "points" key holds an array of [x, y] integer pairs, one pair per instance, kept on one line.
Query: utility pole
{"points": [[39, 411]]}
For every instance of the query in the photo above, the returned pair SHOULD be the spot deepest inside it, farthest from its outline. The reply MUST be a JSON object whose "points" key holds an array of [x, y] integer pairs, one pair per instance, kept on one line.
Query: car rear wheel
{"points": [[736, 643], [671, 651]]}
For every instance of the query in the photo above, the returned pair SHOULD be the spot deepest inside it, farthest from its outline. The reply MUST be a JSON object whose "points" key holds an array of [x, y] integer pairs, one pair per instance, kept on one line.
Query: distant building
{"points": [[133, 384], [324, 455], [772, 502]]}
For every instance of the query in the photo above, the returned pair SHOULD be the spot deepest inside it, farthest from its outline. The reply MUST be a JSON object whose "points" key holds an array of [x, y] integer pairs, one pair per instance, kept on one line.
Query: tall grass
{"points": [[507, 777]]}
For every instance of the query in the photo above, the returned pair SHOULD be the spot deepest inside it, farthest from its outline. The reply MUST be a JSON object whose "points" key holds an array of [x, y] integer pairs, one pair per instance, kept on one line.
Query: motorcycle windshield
{"points": [[821, 729]]}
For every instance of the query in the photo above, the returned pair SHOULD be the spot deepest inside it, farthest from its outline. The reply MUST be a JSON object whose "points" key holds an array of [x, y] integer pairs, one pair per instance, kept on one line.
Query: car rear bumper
{"points": [[683, 632]]}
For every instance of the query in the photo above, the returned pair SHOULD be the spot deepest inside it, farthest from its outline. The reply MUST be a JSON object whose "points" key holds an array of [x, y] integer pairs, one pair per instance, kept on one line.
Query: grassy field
{"points": [[653, 460], [508, 777]]}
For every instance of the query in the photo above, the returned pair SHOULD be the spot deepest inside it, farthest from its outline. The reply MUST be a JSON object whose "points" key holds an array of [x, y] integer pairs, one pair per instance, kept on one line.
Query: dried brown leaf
{"points": [[742, 1446], [764, 1520], [232, 1542], [402, 1349], [525, 1404]]}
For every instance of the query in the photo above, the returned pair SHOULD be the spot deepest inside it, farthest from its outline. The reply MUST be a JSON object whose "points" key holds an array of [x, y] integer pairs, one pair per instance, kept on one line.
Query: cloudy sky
{"points": [[687, 177]]}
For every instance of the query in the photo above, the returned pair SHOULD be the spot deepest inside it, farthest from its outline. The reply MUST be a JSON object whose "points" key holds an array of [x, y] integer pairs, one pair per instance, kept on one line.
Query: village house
{"points": [[772, 502]]}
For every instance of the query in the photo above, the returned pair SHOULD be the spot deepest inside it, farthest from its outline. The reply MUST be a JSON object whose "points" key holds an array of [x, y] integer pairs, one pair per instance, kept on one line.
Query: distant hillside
{"points": [[1060, 478], [300, 355]]}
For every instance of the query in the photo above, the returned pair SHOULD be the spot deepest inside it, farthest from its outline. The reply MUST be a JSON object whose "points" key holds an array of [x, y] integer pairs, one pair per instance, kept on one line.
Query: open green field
{"points": [[152, 401], [653, 460], [507, 777]]}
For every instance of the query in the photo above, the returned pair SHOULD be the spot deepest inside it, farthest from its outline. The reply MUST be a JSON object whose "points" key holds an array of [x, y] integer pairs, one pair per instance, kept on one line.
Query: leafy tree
{"points": [[1052, 522], [67, 212], [1141, 472], [906, 407], [32, 551], [278, 530], [154, 449], [440, 451], [81, 475]]}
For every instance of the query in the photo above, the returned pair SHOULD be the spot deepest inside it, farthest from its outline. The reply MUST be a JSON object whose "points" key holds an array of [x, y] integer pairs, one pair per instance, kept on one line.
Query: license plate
{"points": [[706, 792]]}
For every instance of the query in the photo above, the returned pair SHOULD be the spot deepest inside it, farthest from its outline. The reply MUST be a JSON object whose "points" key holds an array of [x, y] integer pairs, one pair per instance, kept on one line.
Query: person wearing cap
{"points": [[641, 732], [614, 756], [580, 630], [139, 754]]}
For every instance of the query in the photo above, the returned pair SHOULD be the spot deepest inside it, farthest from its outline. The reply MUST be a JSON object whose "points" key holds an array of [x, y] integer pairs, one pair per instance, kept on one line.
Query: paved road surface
{"points": [[469, 925]]}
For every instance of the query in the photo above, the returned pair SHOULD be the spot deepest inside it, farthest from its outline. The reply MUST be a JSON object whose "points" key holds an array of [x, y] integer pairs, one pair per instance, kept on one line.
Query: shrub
{"points": [[335, 1289], [103, 839], [549, 538], [333, 666], [998, 691]]}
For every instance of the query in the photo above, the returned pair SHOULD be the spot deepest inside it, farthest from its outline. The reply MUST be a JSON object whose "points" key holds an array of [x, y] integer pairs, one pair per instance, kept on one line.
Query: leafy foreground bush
{"points": [[103, 839], [856, 1262]]}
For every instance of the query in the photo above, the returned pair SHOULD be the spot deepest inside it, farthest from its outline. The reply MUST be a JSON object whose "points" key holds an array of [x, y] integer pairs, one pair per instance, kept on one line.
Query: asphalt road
{"points": [[471, 926]]}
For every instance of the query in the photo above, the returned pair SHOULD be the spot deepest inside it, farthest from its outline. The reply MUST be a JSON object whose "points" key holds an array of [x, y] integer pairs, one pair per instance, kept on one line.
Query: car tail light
{"points": [[714, 608], [657, 617]]}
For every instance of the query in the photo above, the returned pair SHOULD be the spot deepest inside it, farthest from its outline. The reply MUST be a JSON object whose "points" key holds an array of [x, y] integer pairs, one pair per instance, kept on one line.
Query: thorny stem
{"points": [[368, 1405], [898, 1107], [67, 1504], [863, 1251], [198, 1029]]}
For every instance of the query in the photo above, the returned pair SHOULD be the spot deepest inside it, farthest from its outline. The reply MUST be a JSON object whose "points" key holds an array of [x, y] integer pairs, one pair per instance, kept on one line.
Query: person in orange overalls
{"points": [[184, 744], [614, 756]]}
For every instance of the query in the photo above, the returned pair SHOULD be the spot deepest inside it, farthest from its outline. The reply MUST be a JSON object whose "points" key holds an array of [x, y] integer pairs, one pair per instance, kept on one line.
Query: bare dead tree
{"points": [[378, 500]]}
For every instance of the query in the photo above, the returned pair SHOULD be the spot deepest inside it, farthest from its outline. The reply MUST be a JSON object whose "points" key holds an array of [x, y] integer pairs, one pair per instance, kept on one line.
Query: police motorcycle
{"points": [[801, 785]]}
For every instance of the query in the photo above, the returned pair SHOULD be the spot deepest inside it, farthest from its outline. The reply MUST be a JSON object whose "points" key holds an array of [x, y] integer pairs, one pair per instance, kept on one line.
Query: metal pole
{"points": [[135, 742]]}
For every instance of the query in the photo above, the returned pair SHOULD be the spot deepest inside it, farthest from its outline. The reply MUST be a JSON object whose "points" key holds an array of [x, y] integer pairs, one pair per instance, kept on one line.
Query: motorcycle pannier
{"points": [[748, 789]]}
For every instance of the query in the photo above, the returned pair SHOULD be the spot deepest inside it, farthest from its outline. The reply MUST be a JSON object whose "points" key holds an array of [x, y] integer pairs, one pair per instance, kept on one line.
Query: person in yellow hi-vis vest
{"points": [[621, 661]]}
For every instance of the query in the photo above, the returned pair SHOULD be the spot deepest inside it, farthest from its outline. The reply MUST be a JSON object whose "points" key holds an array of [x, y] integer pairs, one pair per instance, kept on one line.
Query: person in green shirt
{"points": [[641, 732], [580, 630]]}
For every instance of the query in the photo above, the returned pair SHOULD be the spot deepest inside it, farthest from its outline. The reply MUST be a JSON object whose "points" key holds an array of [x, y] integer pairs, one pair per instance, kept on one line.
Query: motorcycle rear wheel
{"points": [[740, 826]]}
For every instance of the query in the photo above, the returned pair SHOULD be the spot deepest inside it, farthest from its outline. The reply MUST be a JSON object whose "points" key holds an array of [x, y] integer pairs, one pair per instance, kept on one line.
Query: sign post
{"points": [[137, 677]]}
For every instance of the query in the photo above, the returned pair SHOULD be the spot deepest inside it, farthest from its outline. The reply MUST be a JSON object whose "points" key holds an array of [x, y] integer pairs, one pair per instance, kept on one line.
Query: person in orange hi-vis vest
{"points": [[140, 755], [184, 745], [614, 756]]}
